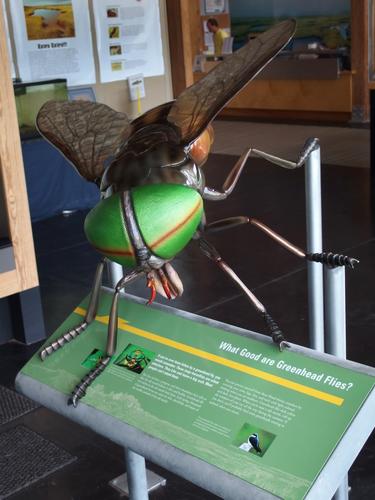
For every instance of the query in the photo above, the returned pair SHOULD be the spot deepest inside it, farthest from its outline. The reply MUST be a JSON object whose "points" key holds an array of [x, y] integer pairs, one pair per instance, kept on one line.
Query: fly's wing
{"points": [[152, 116], [87, 133], [196, 107]]}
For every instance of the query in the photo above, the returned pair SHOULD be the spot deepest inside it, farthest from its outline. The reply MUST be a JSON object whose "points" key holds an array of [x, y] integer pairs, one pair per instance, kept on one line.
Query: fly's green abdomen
{"points": [[167, 215], [106, 231]]}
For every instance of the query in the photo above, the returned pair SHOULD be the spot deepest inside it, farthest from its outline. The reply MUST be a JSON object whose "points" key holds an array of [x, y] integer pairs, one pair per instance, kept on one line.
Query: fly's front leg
{"points": [[210, 251], [329, 258], [231, 181], [89, 317], [80, 389]]}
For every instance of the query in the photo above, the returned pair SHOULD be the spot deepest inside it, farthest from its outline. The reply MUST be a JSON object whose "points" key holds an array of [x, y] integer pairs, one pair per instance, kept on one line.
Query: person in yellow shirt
{"points": [[219, 36]]}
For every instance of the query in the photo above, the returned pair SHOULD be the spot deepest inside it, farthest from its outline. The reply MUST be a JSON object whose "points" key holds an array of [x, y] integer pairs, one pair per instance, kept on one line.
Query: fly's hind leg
{"points": [[329, 258], [80, 389], [89, 317], [276, 334]]}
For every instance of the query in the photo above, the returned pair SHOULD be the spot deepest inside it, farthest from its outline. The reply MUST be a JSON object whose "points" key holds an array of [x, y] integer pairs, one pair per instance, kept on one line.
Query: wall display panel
{"points": [[53, 40], [323, 26], [129, 38]]}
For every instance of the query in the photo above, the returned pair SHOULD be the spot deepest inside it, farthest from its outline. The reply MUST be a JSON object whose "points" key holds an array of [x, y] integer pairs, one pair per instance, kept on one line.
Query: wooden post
{"points": [[359, 57], [24, 276], [182, 16]]}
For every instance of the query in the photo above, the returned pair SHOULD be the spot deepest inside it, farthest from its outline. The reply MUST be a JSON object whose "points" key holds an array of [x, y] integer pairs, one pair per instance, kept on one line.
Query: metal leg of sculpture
{"points": [[89, 317], [328, 258], [233, 176], [210, 251], [80, 389]]}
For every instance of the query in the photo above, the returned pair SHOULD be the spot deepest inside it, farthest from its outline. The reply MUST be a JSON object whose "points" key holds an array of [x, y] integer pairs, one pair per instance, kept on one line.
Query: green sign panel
{"points": [[271, 418]]}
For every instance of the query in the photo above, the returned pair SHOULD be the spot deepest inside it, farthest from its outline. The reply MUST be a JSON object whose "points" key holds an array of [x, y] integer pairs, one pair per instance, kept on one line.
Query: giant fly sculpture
{"points": [[152, 184]]}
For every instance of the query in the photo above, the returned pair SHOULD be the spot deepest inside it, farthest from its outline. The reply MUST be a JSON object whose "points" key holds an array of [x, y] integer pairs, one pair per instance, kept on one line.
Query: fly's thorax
{"points": [[163, 219]]}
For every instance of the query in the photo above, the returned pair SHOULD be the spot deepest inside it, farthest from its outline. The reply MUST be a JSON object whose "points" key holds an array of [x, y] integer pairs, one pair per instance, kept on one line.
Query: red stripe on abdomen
{"points": [[176, 228]]}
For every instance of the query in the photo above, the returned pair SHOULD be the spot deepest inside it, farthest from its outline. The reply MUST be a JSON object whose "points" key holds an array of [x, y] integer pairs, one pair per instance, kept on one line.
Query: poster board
{"points": [[271, 419], [128, 38], [53, 40]]}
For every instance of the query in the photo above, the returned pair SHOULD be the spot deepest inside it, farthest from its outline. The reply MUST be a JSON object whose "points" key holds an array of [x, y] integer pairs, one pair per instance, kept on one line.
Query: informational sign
{"points": [[129, 38], [268, 417], [53, 40], [12, 68], [214, 6]]}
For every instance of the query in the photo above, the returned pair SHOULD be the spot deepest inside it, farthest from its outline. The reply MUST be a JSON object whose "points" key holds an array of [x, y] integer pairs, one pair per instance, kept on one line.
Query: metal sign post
{"points": [[326, 306], [137, 481], [136, 474], [314, 245], [335, 321]]}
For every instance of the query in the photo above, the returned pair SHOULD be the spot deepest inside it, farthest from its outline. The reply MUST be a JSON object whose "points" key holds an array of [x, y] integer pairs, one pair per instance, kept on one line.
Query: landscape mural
{"points": [[322, 22]]}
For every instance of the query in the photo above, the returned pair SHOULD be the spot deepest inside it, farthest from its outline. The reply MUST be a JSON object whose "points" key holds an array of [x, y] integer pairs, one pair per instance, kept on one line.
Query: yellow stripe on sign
{"points": [[274, 379]]}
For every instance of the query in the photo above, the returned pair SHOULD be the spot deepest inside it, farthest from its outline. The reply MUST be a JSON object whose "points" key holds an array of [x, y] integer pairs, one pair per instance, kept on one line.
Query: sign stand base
{"points": [[154, 481]]}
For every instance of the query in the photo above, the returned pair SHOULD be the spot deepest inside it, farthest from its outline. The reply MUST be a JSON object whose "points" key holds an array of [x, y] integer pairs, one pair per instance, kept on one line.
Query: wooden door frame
{"points": [[24, 276]]}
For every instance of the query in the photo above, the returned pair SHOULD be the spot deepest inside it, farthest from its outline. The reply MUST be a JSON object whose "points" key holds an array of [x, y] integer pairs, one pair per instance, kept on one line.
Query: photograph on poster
{"points": [[112, 12], [114, 31], [135, 358], [117, 65], [115, 50], [46, 19], [253, 439]]}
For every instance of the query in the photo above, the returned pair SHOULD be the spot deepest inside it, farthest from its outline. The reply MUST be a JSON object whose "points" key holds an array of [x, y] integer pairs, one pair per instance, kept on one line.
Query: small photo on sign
{"points": [[115, 50], [134, 358], [253, 439], [93, 359], [117, 66], [114, 31], [112, 12]]}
